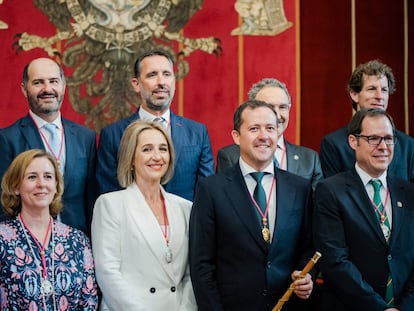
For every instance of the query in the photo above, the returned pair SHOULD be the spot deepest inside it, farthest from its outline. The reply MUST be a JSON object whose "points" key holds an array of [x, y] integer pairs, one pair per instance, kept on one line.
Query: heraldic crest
{"points": [[102, 39]]}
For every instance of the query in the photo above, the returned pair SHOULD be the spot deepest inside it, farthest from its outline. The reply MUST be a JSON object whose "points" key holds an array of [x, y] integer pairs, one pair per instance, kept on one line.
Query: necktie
{"points": [[161, 121], [54, 142], [259, 194], [383, 219], [276, 162]]}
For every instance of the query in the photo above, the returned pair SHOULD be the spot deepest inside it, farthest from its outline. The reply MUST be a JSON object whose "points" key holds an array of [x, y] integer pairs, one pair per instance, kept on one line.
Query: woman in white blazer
{"points": [[140, 234]]}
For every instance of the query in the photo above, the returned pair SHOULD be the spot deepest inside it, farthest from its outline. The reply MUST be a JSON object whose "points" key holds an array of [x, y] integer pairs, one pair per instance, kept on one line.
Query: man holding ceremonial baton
{"points": [[250, 227]]}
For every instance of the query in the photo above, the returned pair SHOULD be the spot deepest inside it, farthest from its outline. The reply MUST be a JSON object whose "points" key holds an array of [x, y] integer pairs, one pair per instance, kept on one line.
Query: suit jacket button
{"points": [[264, 292], [173, 289], [152, 290]]}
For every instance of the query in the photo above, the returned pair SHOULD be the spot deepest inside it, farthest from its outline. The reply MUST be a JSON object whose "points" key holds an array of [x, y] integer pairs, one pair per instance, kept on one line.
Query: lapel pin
{"points": [[399, 204]]}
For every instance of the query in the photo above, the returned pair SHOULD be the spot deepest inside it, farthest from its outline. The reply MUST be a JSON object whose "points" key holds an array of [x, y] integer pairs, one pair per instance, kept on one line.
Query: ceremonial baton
{"points": [[302, 274]]}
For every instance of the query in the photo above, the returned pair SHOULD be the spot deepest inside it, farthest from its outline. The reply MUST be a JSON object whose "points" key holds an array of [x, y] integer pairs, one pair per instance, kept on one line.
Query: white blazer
{"points": [[129, 252]]}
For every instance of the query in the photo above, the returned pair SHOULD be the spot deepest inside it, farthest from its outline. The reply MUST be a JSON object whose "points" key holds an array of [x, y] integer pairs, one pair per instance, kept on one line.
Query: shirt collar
{"points": [[147, 116], [281, 143], [247, 169], [366, 178], [40, 122]]}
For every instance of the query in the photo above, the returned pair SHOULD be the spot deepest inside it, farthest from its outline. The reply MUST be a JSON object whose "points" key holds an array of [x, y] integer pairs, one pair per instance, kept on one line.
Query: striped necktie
{"points": [[379, 211]]}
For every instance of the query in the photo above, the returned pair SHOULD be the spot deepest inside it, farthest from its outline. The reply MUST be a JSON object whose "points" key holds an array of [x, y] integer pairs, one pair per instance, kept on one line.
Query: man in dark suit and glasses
{"points": [[244, 255], [370, 86], [364, 225]]}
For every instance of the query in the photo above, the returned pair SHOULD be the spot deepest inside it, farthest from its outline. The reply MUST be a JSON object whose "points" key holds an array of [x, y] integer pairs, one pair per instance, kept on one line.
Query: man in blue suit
{"points": [[44, 87], [155, 82], [244, 254], [364, 225], [296, 159], [370, 85]]}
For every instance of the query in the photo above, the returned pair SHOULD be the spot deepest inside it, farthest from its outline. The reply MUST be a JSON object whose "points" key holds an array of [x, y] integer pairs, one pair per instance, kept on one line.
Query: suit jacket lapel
{"points": [[291, 163], [71, 148], [359, 196], [177, 234], [284, 206], [176, 134], [30, 133], [147, 224], [398, 201], [239, 199]]}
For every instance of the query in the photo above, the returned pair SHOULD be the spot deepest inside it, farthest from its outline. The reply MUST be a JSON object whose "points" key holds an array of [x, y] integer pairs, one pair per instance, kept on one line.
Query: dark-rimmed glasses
{"points": [[375, 140]]}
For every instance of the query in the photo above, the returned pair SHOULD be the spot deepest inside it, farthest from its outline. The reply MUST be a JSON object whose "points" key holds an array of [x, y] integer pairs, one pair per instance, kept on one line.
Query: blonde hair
{"points": [[14, 176], [129, 143]]}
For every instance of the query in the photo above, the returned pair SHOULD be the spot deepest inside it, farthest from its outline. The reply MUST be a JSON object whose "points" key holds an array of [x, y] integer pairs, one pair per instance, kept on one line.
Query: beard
{"points": [[157, 107], [155, 104], [37, 107]]}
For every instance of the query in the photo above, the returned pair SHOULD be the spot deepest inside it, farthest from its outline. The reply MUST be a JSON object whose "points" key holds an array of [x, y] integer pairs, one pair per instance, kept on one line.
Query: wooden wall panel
{"points": [[326, 60], [325, 68]]}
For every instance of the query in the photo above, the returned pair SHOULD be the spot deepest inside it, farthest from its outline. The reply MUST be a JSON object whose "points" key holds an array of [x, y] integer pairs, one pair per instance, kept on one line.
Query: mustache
{"points": [[161, 87], [47, 94]]}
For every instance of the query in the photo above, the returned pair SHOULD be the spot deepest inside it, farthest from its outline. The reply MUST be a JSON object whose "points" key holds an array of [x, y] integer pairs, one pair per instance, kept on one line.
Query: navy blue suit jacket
{"points": [[337, 156], [232, 267], [194, 158], [79, 176], [300, 160], [356, 259]]}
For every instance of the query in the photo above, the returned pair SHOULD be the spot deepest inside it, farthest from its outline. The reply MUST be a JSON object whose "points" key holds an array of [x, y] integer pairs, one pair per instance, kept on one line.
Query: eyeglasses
{"points": [[376, 140]]}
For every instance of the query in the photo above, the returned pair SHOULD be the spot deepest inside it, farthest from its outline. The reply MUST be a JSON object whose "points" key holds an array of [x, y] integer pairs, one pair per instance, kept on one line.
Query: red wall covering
{"points": [[326, 60], [314, 58], [211, 91]]}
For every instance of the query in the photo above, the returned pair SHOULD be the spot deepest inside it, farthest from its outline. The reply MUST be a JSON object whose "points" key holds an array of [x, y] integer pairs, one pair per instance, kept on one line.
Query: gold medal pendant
{"points": [[266, 234]]}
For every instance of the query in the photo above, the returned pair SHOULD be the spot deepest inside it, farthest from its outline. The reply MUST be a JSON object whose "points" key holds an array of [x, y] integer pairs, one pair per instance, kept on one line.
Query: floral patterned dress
{"points": [[73, 276]]}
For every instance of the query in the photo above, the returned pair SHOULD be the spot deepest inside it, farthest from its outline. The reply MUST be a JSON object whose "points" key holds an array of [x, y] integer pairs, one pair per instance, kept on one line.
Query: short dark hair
{"points": [[355, 125], [252, 104], [25, 76], [137, 65], [371, 68]]}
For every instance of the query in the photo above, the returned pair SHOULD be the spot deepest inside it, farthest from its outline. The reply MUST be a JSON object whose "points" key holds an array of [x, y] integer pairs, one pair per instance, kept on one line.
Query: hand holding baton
{"points": [[302, 274]]}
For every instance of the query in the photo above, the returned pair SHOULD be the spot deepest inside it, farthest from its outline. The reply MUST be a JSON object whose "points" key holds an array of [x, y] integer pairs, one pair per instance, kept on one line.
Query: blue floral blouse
{"points": [[74, 276]]}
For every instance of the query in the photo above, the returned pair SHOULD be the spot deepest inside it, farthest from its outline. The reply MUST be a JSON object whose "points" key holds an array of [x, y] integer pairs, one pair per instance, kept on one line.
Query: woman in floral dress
{"points": [[44, 264]]}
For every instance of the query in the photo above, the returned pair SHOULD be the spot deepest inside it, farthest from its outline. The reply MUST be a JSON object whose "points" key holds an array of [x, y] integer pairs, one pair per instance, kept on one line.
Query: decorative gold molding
{"points": [[3, 25], [261, 18]]}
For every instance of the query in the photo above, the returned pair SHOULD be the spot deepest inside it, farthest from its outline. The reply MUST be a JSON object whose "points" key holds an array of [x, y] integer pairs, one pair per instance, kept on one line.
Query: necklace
{"points": [[46, 286], [383, 216], [164, 229], [265, 229]]}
